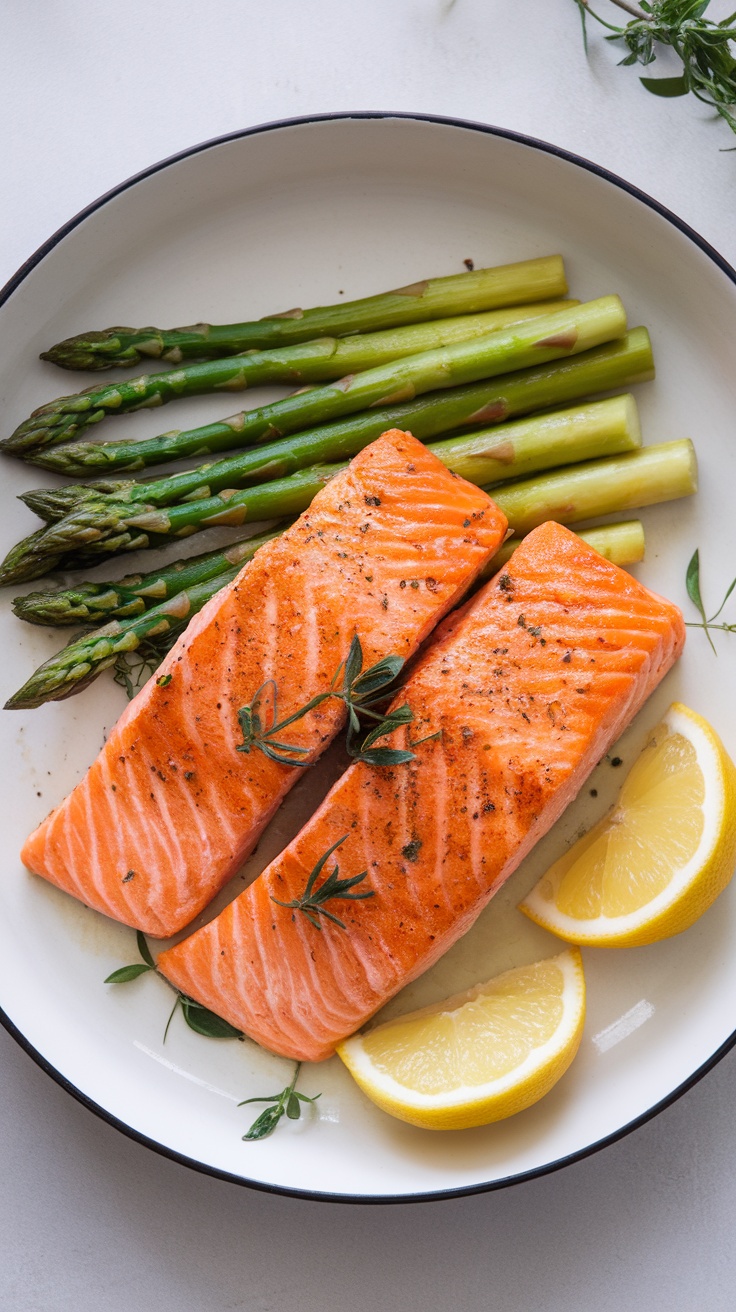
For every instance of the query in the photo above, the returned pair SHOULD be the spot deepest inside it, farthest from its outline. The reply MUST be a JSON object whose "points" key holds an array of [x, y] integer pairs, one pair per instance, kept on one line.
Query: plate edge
{"points": [[11, 285]]}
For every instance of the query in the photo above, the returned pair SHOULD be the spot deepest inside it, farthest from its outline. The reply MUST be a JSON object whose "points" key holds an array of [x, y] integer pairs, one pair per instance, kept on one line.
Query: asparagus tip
{"points": [[92, 351]]}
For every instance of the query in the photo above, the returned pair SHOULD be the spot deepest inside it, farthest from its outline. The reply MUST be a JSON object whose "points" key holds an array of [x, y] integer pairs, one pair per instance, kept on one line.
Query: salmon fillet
{"points": [[170, 808], [530, 684]]}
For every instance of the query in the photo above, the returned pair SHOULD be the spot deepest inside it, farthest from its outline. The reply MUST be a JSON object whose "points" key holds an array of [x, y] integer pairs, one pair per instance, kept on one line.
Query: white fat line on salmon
{"points": [[625, 1025]]}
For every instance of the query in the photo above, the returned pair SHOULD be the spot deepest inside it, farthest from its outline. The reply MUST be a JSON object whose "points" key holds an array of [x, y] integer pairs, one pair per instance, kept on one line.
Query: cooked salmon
{"points": [[529, 684], [171, 808]]}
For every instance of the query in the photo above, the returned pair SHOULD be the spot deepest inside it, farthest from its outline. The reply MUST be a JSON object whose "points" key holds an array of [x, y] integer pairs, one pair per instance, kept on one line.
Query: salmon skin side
{"points": [[530, 684], [170, 808]]}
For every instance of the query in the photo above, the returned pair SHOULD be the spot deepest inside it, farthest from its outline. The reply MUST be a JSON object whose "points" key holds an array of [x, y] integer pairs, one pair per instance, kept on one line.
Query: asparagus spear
{"points": [[96, 603], [326, 358], [640, 478], [543, 441], [621, 543], [464, 293], [79, 663], [550, 337], [496, 454], [601, 487], [620, 363], [106, 526], [521, 446]]}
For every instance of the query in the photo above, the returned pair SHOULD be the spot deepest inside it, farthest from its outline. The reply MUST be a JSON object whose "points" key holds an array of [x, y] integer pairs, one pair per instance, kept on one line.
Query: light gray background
{"points": [[91, 93]]}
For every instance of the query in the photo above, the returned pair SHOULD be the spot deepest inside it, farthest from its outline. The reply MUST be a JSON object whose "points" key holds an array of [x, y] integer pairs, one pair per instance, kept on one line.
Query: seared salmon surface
{"points": [[529, 683], [170, 808]]}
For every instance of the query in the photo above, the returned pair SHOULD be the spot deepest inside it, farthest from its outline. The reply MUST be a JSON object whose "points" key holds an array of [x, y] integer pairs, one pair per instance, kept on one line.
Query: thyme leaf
{"points": [[206, 1022], [692, 585], [312, 900], [692, 582], [126, 973], [360, 690], [287, 1103], [704, 48], [198, 1018], [729, 590], [144, 949], [134, 668]]}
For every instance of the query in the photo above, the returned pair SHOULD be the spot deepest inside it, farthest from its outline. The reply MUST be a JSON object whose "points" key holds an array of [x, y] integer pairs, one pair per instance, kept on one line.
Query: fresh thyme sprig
{"points": [[692, 583], [360, 690], [703, 47], [205, 1022], [133, 668], [197, 1017], [288, 1103], [313, 899]]}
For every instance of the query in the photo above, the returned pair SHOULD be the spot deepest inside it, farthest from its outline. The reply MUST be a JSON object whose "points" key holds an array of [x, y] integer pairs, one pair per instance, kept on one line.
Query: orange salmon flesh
{"points": [[530, 683], [170, 809]]}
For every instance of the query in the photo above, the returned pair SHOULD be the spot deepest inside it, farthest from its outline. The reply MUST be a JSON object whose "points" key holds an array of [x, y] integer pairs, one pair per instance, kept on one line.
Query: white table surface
{"points": [[91, 93]]}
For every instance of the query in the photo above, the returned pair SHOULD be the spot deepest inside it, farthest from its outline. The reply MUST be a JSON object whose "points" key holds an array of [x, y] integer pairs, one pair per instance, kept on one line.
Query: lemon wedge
{"points": [[658, 860], [479, 1056]]}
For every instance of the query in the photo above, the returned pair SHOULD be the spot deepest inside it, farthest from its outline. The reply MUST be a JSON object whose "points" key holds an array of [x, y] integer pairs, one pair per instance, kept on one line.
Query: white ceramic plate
{"points": [[302, 213]]}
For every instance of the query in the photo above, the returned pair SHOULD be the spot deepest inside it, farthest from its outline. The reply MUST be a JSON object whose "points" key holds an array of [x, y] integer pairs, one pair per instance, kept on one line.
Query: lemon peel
{"points": [[477, 1057], [660, 858]]}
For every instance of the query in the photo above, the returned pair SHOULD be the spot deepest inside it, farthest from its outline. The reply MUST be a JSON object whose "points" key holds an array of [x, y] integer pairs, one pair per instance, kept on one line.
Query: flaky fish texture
{"points": [[529, 683], [170, 808]]}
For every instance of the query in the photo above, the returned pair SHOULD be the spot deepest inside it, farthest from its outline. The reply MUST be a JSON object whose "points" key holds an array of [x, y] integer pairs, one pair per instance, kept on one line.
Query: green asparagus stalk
{"points": [[106, 526], [435, 298], [78, 664], [90, 602], [521, 446], [620, 363], [622, 544], [601, 487], [318, 361], [102, 529], [640, 478], [550, 337], [543, 441], [93, 603], [81, 661], [492, 455]]}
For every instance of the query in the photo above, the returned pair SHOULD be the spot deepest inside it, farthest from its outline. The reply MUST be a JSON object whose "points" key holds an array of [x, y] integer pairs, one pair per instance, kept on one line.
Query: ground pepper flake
{"points": [[411, 850]]}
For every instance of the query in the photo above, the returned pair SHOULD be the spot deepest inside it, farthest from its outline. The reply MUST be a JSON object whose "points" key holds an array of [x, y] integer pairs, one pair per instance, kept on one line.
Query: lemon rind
{"points": [[716, 765], [570, 964]]}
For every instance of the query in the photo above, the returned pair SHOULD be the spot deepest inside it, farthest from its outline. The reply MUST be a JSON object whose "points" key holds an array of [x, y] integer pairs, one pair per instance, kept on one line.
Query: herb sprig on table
{"points": [[197, 1017], [703, 47], [361, 691], [692, 583]]}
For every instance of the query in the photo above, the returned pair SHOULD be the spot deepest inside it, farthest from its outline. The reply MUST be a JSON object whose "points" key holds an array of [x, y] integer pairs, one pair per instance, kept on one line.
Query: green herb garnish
{"points": [[197, 1017], [360, 690], [692, 583], [288, 1103], [126, 973], [134, 668], [313, 899], [703, 47]]}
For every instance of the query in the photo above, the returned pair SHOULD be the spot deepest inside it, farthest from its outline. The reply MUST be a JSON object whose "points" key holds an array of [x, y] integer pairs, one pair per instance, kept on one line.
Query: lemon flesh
{"points": [[658, 860], [477, 1057]]}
